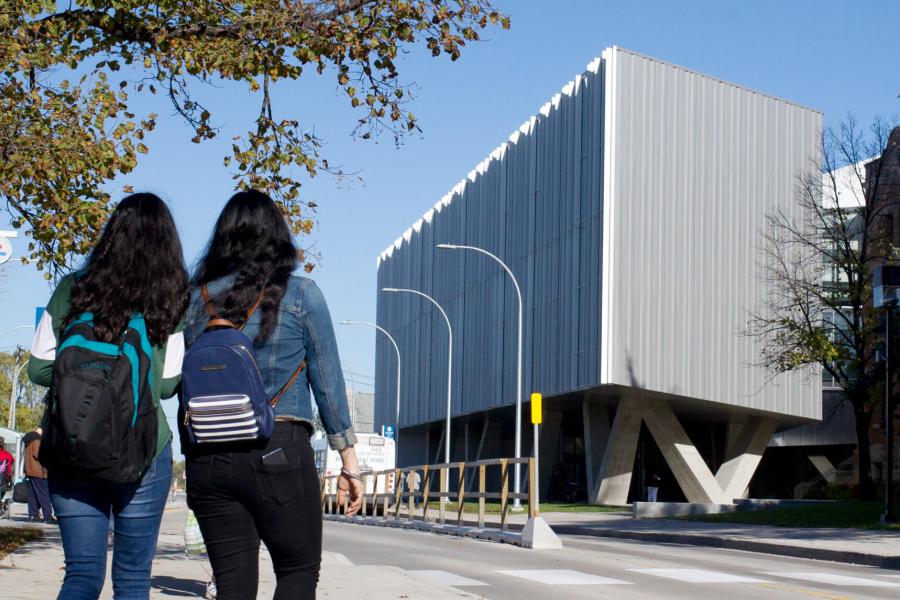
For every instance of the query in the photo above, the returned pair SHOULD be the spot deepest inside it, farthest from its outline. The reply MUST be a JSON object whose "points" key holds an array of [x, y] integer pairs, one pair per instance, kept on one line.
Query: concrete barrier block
{"points": [[664, 510]]}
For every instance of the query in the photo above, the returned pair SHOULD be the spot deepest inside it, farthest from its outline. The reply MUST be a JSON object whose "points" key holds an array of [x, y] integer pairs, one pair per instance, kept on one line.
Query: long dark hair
{"points": [[137, 266], [252, 241]]}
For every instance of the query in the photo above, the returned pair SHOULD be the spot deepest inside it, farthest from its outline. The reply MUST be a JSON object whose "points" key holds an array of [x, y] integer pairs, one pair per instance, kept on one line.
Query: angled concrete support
{"points": [[745, 450], [690, 470], [824, 467], [614, 476], [596, 435]]}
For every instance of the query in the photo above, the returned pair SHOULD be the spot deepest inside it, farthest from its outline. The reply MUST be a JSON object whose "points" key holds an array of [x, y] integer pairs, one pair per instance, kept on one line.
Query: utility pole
{"points": [[888, 516]]}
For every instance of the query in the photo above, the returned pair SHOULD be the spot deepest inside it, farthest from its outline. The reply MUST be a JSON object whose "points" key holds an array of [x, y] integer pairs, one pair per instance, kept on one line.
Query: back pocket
{"points": [[279, 483]]}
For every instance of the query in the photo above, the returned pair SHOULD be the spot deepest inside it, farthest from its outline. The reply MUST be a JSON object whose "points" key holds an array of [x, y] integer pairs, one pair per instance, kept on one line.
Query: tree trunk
{"points": [[863, 419]]}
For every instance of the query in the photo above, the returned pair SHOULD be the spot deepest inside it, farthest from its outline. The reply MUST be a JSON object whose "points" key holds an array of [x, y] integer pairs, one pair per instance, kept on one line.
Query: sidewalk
{"points": [[35, 571], [856, 546]]}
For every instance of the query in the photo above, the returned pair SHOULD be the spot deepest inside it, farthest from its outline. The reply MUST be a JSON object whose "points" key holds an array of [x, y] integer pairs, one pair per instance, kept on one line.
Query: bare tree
{"points": [[818, 260]]}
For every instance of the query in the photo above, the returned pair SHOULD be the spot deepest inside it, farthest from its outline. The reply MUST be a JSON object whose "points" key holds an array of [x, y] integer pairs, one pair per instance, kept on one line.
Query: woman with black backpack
{"points": [[261, 483], [109, 347]]}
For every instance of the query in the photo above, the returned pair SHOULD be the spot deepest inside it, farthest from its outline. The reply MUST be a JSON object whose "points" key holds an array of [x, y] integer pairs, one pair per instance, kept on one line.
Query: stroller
{"points": [[195, 548]]}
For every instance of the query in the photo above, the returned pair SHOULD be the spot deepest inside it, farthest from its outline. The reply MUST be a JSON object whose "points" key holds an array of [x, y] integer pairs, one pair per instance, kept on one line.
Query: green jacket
{"points": [[40, 366]]}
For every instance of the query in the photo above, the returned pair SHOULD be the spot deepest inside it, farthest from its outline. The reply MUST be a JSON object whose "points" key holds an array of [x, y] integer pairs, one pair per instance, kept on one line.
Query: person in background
{"points": [[38, 492], [412, 485], [7, 464], [653, 487]]}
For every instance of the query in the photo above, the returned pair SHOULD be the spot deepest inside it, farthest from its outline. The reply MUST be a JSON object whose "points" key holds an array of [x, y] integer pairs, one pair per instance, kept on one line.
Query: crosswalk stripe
{"points": [[698, 576], [563, 577], [446, 578], [834, 579]]}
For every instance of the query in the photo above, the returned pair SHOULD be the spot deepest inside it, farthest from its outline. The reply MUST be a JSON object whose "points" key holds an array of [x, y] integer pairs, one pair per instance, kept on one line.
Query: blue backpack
{"points": [[223, 398], [101, 422]]}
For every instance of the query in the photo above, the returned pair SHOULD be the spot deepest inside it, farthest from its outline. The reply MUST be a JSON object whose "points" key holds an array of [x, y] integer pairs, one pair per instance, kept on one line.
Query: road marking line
{"points": [[698, 576], [833, 579], [446, 578], [813, 593], [563, 577]]}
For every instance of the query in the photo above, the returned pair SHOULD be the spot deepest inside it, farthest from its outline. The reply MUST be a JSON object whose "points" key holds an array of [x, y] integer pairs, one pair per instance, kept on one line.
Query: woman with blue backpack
{"points": [[259, 341], [109, 347]]}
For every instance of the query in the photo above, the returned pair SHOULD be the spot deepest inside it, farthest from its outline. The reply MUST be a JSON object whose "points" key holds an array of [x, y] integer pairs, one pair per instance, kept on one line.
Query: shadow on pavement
{"points": [[173, 586]]}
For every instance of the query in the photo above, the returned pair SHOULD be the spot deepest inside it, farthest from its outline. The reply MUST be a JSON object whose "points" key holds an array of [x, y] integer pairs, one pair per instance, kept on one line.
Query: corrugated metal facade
{"points": [[695, 164]]}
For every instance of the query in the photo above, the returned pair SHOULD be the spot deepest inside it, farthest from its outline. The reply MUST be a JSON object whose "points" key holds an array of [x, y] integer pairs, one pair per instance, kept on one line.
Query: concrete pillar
{"points": [[695, 479], [596, 434], [549, 441], [824, 467], [613, 479], [743, 454]]}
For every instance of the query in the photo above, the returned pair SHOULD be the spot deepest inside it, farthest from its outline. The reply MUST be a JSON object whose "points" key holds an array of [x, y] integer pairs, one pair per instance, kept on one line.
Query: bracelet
{"points": [[350, 474]]}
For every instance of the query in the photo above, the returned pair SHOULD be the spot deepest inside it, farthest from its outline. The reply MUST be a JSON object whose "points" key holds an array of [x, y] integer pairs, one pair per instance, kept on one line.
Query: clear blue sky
{"points": [[835, 56]]}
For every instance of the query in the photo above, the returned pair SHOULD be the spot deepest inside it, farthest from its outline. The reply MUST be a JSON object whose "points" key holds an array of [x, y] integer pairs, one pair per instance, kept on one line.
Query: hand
{"points": [[353, 488]]}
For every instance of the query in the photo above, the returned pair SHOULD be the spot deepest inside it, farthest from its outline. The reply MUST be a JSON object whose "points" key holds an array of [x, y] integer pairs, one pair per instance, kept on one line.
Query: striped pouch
{"points": [[225, 418]]}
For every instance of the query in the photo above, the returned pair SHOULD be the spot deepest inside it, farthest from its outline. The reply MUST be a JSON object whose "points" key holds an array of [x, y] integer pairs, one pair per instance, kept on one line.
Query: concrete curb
{"points": [[709, 541]]}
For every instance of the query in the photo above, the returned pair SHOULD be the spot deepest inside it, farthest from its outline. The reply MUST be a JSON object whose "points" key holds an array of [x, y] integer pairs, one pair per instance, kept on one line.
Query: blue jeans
{"points": [[83, 509]]}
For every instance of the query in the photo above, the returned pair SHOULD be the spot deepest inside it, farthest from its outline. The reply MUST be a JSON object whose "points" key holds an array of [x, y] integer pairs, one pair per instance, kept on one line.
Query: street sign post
{"points": [[6, 249], [537, 417]]}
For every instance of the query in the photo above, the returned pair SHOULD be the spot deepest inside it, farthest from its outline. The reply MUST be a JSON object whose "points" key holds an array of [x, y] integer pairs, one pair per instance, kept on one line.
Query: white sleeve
{"points": [[174, 355], [44, 345]]}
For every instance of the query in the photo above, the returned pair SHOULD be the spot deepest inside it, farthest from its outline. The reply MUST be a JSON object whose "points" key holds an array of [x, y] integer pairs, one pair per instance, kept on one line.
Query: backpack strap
{"points": [[275, 399], [215, 321]]}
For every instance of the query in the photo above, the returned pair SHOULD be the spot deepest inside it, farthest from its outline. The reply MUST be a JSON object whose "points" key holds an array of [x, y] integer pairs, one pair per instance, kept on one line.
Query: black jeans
{"points": [[238, 501]]}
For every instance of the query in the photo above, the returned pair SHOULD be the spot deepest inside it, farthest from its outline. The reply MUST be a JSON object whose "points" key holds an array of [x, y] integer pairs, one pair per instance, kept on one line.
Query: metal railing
{"points": [[397, 500]]}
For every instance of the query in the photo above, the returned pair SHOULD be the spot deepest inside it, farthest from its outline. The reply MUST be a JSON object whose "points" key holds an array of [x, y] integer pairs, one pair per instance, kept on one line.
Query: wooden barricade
{"points": [[397, 501]]}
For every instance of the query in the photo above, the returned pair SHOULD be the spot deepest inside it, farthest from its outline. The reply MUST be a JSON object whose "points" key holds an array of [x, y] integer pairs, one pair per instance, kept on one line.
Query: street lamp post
{"points": [[12, 395], [449, 363], [888, 516], [518, 480], [16, 329], [397, 351]]}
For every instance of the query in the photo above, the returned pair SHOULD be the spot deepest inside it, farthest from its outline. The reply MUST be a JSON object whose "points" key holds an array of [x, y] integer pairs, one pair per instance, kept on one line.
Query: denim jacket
{"points": [[303, 331]]}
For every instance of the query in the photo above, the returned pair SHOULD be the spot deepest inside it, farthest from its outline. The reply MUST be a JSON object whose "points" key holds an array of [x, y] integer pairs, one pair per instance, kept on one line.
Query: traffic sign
{"points": [[388, 431], [537, 416], [5, 250]]}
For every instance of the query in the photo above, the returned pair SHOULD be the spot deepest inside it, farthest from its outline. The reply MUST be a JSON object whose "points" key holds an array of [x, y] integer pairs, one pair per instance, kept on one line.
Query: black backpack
{"points": [[101, 422]]}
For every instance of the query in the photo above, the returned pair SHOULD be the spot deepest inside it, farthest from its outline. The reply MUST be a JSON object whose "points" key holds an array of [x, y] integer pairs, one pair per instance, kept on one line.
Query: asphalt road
{"points": [[590, 567]]}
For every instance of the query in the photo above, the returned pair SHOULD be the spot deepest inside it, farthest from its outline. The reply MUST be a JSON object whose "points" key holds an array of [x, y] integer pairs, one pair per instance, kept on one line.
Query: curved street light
{"points": [[12, 396], [518, 479], [8, 331], [449, 361], [397, 350]]}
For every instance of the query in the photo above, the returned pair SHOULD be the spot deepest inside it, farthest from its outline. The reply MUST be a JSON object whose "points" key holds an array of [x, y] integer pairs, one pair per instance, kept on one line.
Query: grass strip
{"points": [[493, 508], [13, 537]]}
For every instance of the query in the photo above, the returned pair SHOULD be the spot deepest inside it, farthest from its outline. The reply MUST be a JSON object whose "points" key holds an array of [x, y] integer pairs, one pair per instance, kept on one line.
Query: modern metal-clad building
{"points": [[630, 210]]}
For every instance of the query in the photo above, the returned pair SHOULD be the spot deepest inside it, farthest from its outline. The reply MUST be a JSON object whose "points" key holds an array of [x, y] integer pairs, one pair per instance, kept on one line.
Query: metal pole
{"points": [[449, 361], [537, 471], [12, 395], [517, 482], [397, 411], [888, 420]]}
